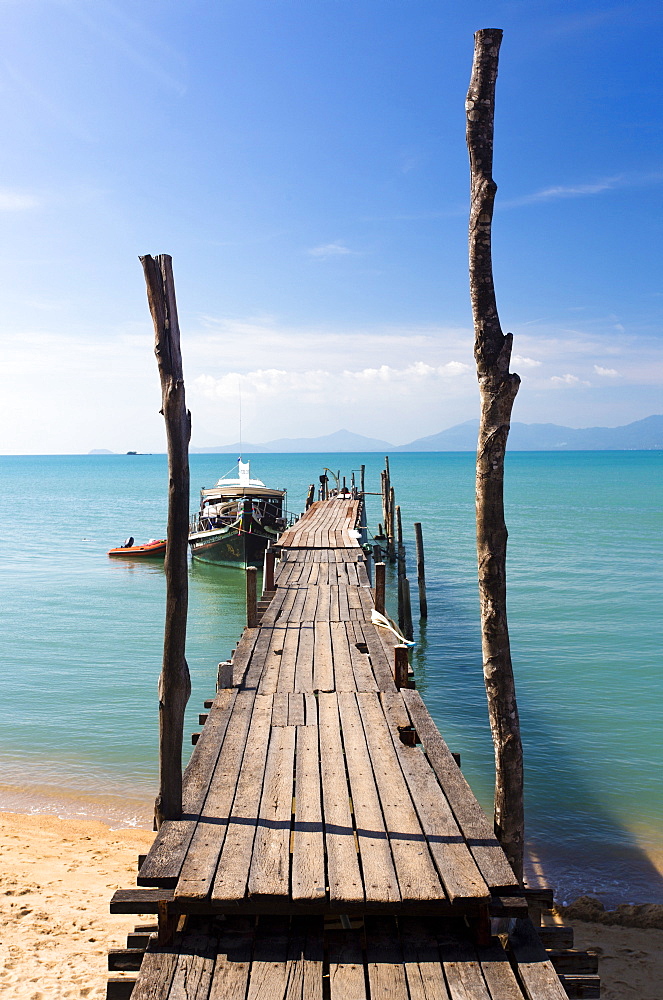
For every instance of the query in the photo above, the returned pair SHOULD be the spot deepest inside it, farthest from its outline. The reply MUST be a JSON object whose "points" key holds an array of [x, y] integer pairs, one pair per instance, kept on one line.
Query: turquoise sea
{"points": [[81, 639]]}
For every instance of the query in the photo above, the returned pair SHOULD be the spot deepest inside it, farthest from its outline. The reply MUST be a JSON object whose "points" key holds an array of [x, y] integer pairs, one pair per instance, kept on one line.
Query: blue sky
{"points": [[305, 165]]}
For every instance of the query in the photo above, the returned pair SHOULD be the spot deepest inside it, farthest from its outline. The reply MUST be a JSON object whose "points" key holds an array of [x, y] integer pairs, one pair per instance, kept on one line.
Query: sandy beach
{"points": [[59, 875], [57, 879]]}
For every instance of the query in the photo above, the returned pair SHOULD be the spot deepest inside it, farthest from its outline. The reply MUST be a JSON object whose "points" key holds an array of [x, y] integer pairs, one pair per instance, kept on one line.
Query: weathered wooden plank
{"points": [[475, 826], [324, 597], [296, 713], [456, 866], [304, 962], [310, 604], [361, 664], [343, 876], [496, 968], [286, 681], [343, 606], [323, 663], [417, 876], [233, 870], [421, 959], [308, 855], [344, 678], [257, 665], [380, 882], [535, 970], [270, 865], [164, 860], [346, 966], [232, 967], [195, 965], [386, 972], [382, 669], [269, 678], [311, 709], [462, 970], [334, 609], [304, 664], [280, 709], [156, 974], [268, 976], [139, 900], [199, 866]]}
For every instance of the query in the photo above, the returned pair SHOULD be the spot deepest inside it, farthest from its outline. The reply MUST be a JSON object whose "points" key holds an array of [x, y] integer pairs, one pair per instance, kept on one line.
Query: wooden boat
{"points": [[237, 519], [155, 547]]}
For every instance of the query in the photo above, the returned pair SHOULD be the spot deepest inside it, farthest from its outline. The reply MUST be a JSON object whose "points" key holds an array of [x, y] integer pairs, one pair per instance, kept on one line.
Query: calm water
{"points": [[81, 639]]}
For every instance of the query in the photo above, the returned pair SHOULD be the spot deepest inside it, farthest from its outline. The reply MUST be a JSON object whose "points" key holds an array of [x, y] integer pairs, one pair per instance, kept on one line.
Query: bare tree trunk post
{"points": [[174, 682], [498, 388]]}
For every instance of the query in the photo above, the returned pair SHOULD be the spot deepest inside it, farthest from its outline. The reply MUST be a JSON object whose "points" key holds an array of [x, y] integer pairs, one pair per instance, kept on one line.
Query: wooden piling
{"points": [[407, 608], [421, 573], [224, 677], [174, 682], [268, 571], [390, 530], [401, 664], [380, 581], [251, 596]]}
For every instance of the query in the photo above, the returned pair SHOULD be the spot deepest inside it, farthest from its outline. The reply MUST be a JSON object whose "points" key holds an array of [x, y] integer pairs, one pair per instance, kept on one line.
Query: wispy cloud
{"points": [[568, 380], [518, 359], [14, 201], [606, 372], [557, 192], [328, 250]]}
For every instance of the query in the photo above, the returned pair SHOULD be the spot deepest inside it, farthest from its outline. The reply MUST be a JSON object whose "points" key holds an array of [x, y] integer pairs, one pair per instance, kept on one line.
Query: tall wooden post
{"points": [[174, 682], [421, 573], [498, 388], [268, 570], [251, 596], [380, 587], [390, 530]]}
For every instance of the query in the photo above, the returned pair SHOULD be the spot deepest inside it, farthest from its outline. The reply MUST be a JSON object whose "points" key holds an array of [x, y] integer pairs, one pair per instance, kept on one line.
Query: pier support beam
{"points": [[174, 682], [498, 388]]}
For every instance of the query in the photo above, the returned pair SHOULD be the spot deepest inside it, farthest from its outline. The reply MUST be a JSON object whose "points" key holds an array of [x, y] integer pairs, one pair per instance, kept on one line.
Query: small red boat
{"points": [[155, 547]]}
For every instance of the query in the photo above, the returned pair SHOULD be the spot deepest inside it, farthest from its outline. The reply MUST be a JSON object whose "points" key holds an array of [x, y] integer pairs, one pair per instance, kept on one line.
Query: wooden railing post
{"points": [[268, 572], [401, 665], [174, 682], [251, 596], [380, 584]]}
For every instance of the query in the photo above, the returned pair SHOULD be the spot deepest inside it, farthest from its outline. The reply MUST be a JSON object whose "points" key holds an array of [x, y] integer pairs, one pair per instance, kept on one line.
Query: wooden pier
{"points": [[329, 845]]}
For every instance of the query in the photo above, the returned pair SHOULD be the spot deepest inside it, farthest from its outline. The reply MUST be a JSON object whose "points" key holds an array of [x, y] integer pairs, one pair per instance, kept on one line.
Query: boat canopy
{"points": [[243, 486]]}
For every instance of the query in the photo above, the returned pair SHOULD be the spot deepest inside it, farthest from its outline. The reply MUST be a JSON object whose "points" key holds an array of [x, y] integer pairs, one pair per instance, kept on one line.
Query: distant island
{"points": [[642, 435]]}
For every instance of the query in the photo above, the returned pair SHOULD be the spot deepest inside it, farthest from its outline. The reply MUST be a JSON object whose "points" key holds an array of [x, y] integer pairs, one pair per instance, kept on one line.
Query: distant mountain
{"points": [[246, 448], [340, 441], [100, 451], [337, 442], [642, 435]]}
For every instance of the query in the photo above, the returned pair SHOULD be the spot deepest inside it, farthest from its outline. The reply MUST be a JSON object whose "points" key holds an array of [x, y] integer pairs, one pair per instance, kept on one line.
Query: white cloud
{"points": [[518, 359], [567, 380], [606, 372], [328, 250], [561, 191], [14, 201]]}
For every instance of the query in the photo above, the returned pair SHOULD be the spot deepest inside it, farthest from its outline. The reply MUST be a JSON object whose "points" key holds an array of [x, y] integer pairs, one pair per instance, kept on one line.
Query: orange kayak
{"points": [[155, 547]]}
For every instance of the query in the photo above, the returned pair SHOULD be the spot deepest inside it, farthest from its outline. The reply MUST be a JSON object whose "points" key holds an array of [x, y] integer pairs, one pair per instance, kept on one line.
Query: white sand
{"points": [[58, 877]]}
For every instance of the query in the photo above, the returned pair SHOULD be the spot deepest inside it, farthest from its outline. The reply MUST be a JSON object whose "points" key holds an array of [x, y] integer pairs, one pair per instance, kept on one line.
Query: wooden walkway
{"points": [[317, 788]]}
